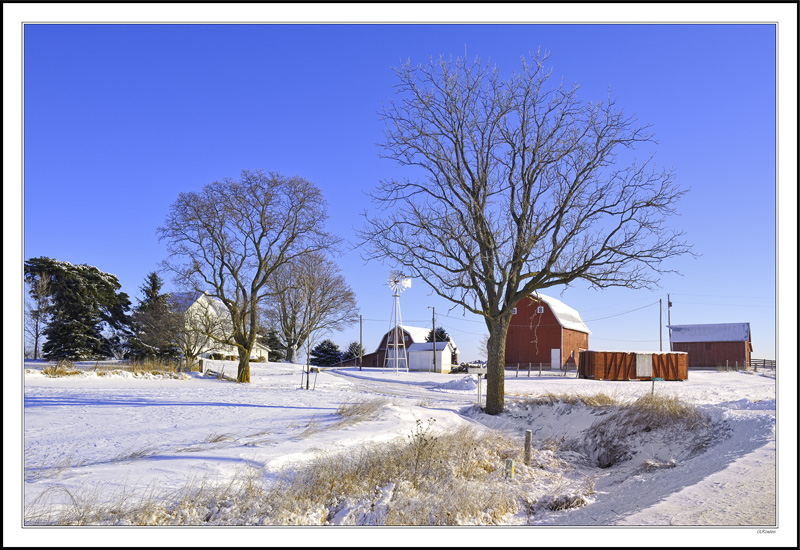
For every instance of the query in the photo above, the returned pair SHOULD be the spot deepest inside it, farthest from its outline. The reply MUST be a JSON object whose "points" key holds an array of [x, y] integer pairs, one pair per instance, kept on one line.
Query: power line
{"points": [[723, 305], [618, 314]]}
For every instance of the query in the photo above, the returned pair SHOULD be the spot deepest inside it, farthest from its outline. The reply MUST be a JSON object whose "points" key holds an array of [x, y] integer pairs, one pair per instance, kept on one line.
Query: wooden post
{"points": [[528, 439], [529, 369], [540, 368], [517, 376], [360, 343]]}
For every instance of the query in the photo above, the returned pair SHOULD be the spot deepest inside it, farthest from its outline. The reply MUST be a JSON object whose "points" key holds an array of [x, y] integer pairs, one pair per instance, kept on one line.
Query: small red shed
{"points": [[714, 345], [630, 365], [545, 330]]}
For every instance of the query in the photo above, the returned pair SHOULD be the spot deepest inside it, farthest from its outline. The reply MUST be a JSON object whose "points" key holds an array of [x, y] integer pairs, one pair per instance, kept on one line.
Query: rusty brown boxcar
{"points": [[632, 365]]}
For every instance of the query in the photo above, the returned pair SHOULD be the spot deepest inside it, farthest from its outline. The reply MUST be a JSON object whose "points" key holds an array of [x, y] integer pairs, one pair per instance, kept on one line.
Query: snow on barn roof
{"points": [[567, 317], [720, 332], [418, 334]]}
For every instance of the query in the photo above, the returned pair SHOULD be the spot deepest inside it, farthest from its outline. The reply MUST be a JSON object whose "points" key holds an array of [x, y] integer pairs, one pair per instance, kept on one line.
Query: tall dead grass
{"points": [[611, 439], [63, 367]]}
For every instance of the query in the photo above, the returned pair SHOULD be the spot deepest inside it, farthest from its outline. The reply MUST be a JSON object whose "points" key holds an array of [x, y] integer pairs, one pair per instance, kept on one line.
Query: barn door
{"points": [[644, 365], [555, 358]]}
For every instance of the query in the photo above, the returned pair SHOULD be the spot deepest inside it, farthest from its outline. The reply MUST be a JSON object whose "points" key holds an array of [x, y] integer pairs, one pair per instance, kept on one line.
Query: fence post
{"points": [[529, 369], [517, 376], [540, 368], [528, 439], [726, 365]]}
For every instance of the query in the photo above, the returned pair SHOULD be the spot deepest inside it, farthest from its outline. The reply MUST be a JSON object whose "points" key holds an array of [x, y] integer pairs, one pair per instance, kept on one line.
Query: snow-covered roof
{"points": [[566, 316], [418, 334], [720, 332], [428, 346]]}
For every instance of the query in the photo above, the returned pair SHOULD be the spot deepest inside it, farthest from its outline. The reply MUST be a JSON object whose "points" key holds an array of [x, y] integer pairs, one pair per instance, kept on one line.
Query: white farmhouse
{"points": [[206, 315]]}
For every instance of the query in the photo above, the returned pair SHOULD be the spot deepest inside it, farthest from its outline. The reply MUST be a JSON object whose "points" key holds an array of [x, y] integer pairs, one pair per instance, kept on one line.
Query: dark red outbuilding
{"points": [[714, 345]]}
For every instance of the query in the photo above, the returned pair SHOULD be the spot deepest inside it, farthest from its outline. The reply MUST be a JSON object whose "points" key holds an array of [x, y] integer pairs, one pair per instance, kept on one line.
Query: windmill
{"points": [[398, 283]]}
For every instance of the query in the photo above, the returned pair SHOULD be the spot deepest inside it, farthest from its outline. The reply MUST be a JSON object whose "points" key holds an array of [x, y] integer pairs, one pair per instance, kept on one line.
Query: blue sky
{"points": [[119, 119]]}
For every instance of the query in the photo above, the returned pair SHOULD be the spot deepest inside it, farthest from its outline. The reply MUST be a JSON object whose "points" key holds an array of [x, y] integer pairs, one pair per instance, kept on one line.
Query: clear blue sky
{"points": [[119, 119]]}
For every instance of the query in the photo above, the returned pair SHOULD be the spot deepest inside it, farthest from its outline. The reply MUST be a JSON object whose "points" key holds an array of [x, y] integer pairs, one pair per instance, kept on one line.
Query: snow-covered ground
{"points": [[107, 435]]}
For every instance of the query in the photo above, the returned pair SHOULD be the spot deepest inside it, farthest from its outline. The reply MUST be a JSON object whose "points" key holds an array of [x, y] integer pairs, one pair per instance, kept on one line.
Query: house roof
{"points": [[720, 332], [567, 317]]}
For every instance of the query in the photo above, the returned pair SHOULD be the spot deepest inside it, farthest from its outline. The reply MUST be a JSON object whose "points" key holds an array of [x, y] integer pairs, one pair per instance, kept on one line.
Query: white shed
{"points": [[420, 356]]}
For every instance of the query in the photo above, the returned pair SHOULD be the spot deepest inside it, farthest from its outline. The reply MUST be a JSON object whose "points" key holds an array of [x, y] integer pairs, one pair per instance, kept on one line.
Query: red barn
{"points": [[545, 330], [715, 345]]}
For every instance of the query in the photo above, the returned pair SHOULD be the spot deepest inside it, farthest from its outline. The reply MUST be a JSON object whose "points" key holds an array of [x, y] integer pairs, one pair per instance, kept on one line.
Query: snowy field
{"points": [[124, 434]]}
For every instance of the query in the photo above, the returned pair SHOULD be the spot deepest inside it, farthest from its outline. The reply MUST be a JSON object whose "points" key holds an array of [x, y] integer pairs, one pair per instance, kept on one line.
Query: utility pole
{"points": [[660, 337], [669, 321], [360, 342], [434, 338]]}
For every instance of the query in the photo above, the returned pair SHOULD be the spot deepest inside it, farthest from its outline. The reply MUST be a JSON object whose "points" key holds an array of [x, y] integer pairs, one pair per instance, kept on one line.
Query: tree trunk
{"points": [[291, 354], [243, 373], [495, 367]]}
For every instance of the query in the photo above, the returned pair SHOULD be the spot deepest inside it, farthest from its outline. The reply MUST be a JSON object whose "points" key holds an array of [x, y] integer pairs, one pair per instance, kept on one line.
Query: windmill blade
{"points": [[398, 282]]}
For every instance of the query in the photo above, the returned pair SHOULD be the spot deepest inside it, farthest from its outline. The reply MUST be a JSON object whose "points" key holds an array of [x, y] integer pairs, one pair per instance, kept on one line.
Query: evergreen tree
{"points": [[270, 339], [325, 354], [441, 335], [154, 322], [88, 313], [354, 351]]}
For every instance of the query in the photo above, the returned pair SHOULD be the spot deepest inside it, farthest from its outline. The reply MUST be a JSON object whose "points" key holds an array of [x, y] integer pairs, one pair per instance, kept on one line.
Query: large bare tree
{"points": [[229, 239], [309, 296], [515, 186]]}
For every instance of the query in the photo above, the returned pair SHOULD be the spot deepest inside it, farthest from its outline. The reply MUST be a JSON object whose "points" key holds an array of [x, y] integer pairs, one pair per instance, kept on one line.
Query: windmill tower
{"points": [[398, 283]]}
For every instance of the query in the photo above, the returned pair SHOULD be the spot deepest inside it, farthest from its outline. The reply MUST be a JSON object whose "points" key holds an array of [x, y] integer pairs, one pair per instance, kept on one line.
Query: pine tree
{"points": [[270, 339], [325, 354], [354, 351], [88, 313], [154, 322], [441, 335]]}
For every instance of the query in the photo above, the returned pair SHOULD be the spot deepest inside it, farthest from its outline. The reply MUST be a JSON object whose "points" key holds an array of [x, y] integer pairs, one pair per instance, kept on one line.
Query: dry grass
{"points": [[596, 400], [61, 368], [153, 366], [352, 413], [456, 479], [609, 440]]}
